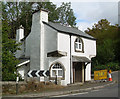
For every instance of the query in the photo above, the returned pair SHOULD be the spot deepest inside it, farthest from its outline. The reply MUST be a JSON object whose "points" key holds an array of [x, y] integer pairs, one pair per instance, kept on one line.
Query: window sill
{"points": [[53, 78], [76, 50]]}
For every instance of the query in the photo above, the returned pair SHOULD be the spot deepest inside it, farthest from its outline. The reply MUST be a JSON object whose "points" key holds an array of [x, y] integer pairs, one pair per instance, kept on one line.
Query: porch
{"points": [[78, 68]]}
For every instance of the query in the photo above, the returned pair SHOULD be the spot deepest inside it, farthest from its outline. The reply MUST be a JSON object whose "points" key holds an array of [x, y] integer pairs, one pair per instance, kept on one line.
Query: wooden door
{"points": [[77, 72]]}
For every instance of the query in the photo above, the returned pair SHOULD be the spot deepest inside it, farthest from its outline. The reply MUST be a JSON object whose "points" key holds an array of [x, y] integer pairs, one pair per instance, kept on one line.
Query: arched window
{"points": [[57, 69], [79, 45]]}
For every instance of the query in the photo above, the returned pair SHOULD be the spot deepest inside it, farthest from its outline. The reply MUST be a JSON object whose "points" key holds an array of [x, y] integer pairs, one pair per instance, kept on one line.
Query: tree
{"points": [[20, 13], [17, 13], [105, 52], [100, 29], [11, 13], [9, 48], [108, 41], [103, 30], [117, 45], [66, 15]]}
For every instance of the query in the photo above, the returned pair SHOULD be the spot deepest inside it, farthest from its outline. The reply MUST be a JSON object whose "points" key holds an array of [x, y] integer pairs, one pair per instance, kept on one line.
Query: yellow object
{"points": [[101, 74], [110, 71]]}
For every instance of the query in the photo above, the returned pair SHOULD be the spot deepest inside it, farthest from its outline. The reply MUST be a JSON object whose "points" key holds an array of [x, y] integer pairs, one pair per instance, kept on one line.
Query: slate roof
{"points": [[68, 30]]}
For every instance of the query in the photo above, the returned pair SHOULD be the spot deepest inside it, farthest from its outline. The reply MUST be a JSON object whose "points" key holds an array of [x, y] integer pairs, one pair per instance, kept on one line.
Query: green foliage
{"points": [[9, 48], [96, 30], [117, 45], [103, 30], [108, 45], [66, 15], [114, 66], [105, 52]]}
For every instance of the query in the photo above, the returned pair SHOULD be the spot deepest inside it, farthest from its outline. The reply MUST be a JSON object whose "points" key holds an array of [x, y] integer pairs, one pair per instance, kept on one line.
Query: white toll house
{"points": [[52, 50]]}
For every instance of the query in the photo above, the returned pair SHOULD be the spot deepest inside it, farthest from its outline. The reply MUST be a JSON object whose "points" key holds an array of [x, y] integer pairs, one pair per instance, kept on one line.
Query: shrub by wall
{"points": [[114, 66]]}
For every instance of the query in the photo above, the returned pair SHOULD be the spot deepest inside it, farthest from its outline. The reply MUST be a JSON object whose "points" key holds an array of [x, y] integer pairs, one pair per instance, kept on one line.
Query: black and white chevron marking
{"points": [[38, 73]]}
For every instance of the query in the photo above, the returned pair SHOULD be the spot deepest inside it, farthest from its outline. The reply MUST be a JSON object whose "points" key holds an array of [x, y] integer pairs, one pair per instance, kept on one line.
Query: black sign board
{"points": [[38, 73]]}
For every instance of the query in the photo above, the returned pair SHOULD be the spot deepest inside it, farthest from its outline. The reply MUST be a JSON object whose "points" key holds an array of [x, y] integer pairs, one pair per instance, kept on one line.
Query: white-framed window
{"points": [[57, 69], [78, 44]]}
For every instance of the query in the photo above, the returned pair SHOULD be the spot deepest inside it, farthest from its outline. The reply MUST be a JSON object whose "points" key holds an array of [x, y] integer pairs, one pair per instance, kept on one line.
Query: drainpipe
{"points": [[70, 63]]}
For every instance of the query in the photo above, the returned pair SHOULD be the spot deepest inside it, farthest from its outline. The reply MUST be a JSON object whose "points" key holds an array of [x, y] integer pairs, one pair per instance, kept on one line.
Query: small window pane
{"points": [[79, 46], [60, 73], [76, 45], [57, 66], [77, 40], [53, 73]]}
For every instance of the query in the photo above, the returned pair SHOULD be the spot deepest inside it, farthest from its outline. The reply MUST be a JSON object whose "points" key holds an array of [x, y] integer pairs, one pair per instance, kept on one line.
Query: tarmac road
{"points": [[109, 91]]}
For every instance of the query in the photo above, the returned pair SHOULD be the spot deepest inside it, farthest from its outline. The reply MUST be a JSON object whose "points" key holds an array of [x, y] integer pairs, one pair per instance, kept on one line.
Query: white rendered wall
{"points": [[28, 46], [63, 42], [64, 45], [34, 42], [51, 39], [23, 70], [43, 17], [88, 72], [57, 41], [50, 44], [19, 36], [90, 50], [90, 47], [66, 63], [73, 38]]}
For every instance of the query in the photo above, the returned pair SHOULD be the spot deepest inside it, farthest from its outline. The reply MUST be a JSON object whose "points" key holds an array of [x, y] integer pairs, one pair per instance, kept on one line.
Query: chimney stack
{"points": [[20, 33], [40, 15]]}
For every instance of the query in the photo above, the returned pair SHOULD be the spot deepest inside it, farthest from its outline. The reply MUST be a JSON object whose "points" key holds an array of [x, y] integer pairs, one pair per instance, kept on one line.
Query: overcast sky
{"points": [[88, 13]]}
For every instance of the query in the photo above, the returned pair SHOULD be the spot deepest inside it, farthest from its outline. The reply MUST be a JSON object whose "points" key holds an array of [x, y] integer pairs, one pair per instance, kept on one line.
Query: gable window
{"points": [[79, 45], [57, 69]]}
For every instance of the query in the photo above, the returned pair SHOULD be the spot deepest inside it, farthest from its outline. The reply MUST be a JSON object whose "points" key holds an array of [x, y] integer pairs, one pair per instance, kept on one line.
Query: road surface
{"points": [[109, 91]]}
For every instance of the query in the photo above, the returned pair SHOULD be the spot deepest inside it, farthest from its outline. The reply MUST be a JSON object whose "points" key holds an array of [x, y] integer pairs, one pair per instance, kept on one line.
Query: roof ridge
{"points": [[70, 30], [65, 26]]}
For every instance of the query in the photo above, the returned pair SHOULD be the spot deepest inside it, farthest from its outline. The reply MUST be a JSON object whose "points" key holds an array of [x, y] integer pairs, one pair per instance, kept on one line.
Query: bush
{"points": [[98, 67], [6, 76], [114, 66]]}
